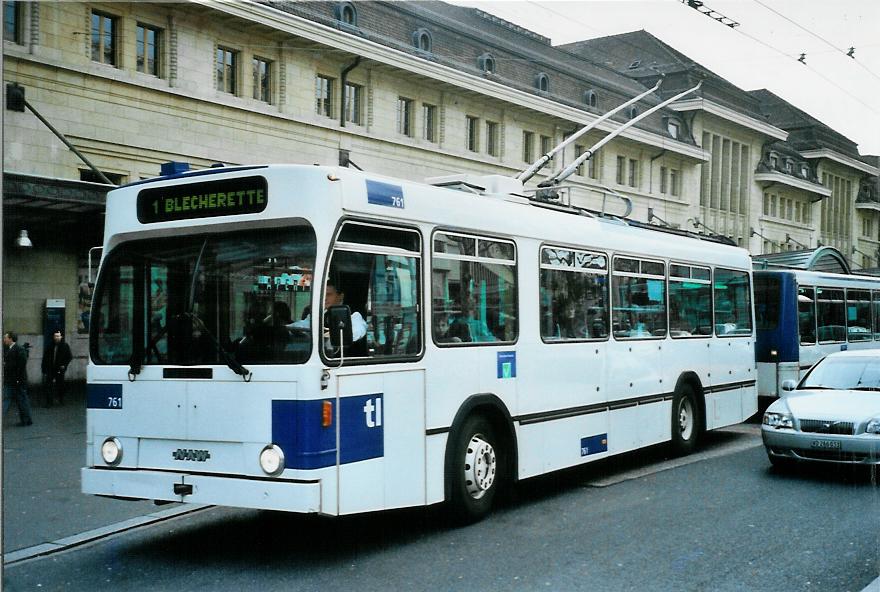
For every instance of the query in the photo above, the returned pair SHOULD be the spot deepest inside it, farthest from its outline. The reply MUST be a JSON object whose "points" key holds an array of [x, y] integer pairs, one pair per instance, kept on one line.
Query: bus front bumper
{"points": [[243, 492]]}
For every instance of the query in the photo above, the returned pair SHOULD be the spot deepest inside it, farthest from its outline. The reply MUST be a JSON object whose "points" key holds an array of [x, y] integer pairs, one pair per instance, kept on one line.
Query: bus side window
{"points": [[807, 315], [378, 269], [830, 315], [733, 306], [473, 285], [574, 295], [638, 299]]}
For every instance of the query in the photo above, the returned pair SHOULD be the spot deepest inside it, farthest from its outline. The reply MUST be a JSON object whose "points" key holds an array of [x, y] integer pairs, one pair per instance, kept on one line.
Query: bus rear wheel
{"points": [[476, 470], [685, 420]]}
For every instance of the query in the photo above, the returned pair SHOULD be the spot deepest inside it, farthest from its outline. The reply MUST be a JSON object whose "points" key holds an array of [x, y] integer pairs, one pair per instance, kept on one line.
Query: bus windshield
{"points": [[200, 299]]}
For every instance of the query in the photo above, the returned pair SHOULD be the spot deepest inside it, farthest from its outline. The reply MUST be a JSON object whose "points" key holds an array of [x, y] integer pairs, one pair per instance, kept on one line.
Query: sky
{"points": [[761, 52]]}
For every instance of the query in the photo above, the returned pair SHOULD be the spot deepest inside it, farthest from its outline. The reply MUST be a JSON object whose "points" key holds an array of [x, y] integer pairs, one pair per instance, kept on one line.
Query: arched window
{"points": [[591, 99], [632, 112], [421, 39], [486, 63], [542, 82], [346, 13]]}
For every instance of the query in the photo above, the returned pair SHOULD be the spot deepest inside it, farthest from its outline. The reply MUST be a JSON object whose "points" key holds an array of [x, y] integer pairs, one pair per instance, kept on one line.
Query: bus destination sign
{"points": [[229, 197]]}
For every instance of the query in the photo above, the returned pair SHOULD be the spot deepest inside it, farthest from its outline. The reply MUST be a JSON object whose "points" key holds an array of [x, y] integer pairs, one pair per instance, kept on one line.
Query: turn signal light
{"points": [[327, 414]]}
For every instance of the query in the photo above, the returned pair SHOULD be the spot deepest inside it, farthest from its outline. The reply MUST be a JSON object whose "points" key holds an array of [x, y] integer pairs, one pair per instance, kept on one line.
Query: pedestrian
{"points": [[55, 361], [15, 378]]}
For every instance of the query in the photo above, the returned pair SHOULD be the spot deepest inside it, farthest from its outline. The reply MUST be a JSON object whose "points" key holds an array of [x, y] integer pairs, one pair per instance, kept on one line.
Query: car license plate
{"points": [[826, 444]]}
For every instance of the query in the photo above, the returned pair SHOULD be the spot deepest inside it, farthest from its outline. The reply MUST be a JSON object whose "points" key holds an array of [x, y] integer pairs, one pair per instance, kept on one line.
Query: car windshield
{"points": [[855, 373], [205, 299]]}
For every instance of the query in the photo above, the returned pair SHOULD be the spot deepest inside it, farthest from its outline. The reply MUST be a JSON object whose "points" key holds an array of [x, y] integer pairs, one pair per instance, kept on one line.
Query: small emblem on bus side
{"points": [[190, 454]]}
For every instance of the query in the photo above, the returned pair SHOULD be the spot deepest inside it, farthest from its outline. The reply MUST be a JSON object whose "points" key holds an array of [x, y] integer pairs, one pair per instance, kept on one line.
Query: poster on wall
{"points": [[83, 300]]}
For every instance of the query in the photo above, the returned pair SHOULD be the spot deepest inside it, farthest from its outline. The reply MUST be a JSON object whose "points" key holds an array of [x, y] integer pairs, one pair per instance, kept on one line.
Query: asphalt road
{"points": [[721, 520]]}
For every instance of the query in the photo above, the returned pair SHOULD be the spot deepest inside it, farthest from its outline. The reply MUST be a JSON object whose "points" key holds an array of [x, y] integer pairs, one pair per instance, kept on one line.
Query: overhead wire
{"points": [[817, 36]]}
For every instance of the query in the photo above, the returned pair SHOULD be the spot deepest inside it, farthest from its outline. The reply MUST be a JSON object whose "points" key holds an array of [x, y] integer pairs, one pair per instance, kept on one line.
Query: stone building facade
{"points": [[415, 89]]}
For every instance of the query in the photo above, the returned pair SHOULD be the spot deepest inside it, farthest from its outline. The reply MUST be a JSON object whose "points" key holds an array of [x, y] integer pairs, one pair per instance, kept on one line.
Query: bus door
{"points": [[379, 408], [732, 358], [634, 368]]}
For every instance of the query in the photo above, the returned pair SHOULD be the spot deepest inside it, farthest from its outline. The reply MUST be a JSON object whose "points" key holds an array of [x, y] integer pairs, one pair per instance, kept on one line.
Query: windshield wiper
{"points": [[865, 388], [818, 388], [228, 358]]}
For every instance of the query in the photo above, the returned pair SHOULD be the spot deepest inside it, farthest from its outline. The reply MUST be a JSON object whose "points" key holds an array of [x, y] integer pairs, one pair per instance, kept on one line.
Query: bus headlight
{"points": [[111, 451], [272, 460]]}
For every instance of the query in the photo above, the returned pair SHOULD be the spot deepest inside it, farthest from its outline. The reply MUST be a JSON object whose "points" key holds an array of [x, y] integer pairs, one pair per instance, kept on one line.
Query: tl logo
{"points": [[373, 412]]}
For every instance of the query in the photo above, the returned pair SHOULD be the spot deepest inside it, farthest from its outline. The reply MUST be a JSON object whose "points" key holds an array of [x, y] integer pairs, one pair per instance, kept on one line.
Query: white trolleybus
{"points": [[317, 339], [802, 316]]}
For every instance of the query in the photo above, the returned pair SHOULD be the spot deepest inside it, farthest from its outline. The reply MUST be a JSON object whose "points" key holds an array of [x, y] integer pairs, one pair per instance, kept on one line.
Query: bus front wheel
{"points": [[476, 470], [685, 420]]}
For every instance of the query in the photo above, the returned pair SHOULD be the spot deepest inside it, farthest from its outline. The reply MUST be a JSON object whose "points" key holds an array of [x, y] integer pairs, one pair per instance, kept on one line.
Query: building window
{"points": [[774, 162], [546, 145], [673, 128], [492, 139], [773, 206], [675, 182], [148, 49], [578, 150], [12, 19], [632, 112], [663, 185], [528, 153], [324, 95], [591, 99], [868, 228], [352, 103], [486, 63], [227, 69], [805, 171], [621, 170], [262, 80], [633, 172], [421, 39], [472, 138], [789, 166], [593, 166], [104, 38], [429, 122], [346, 13], [92, 177], [542, 82], [404, 116]]}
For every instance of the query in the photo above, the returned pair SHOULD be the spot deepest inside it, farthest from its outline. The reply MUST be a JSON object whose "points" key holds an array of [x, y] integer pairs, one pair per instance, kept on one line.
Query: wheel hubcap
{"points": [[479, 466], [685, 419]]}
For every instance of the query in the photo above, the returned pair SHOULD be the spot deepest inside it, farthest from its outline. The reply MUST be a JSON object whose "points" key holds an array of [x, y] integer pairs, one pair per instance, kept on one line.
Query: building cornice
{"points": [[868, 205], [700, 104], [841, 159], [782, 179], [318, 33]]}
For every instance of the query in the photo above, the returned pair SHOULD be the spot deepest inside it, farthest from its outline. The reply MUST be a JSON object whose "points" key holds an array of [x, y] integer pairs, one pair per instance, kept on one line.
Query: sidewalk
{"points": [[42, 501]]}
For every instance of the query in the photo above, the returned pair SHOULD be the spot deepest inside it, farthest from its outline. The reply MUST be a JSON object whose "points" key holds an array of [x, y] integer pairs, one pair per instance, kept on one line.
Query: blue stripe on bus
{"points": [[297, 430], [104, 396]]}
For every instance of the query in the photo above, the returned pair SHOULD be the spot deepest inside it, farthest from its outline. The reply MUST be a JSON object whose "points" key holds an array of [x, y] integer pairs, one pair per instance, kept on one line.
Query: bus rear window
{"points": [[767, 299]]}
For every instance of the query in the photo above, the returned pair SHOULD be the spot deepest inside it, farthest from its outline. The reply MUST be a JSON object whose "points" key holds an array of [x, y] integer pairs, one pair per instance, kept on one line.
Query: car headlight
{"points": [[778, 420], [873, 426], [111, 451], [272, 460]]}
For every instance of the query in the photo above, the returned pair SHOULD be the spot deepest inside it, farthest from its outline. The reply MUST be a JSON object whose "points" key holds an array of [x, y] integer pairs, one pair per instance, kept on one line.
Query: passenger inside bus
{"points": [[443, 331]]}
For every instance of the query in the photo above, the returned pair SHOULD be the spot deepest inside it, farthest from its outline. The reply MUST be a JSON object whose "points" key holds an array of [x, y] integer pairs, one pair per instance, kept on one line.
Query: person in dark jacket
{"points": [[15, 378], [56, 359]]}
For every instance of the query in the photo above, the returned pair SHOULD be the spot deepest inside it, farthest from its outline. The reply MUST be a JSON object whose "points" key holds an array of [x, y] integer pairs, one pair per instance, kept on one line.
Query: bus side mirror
{"points": [[789, 385], [337, 319]]}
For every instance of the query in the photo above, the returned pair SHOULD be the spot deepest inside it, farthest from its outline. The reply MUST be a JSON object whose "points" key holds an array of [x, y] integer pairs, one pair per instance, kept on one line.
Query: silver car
{"points": [[833, 415]]}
